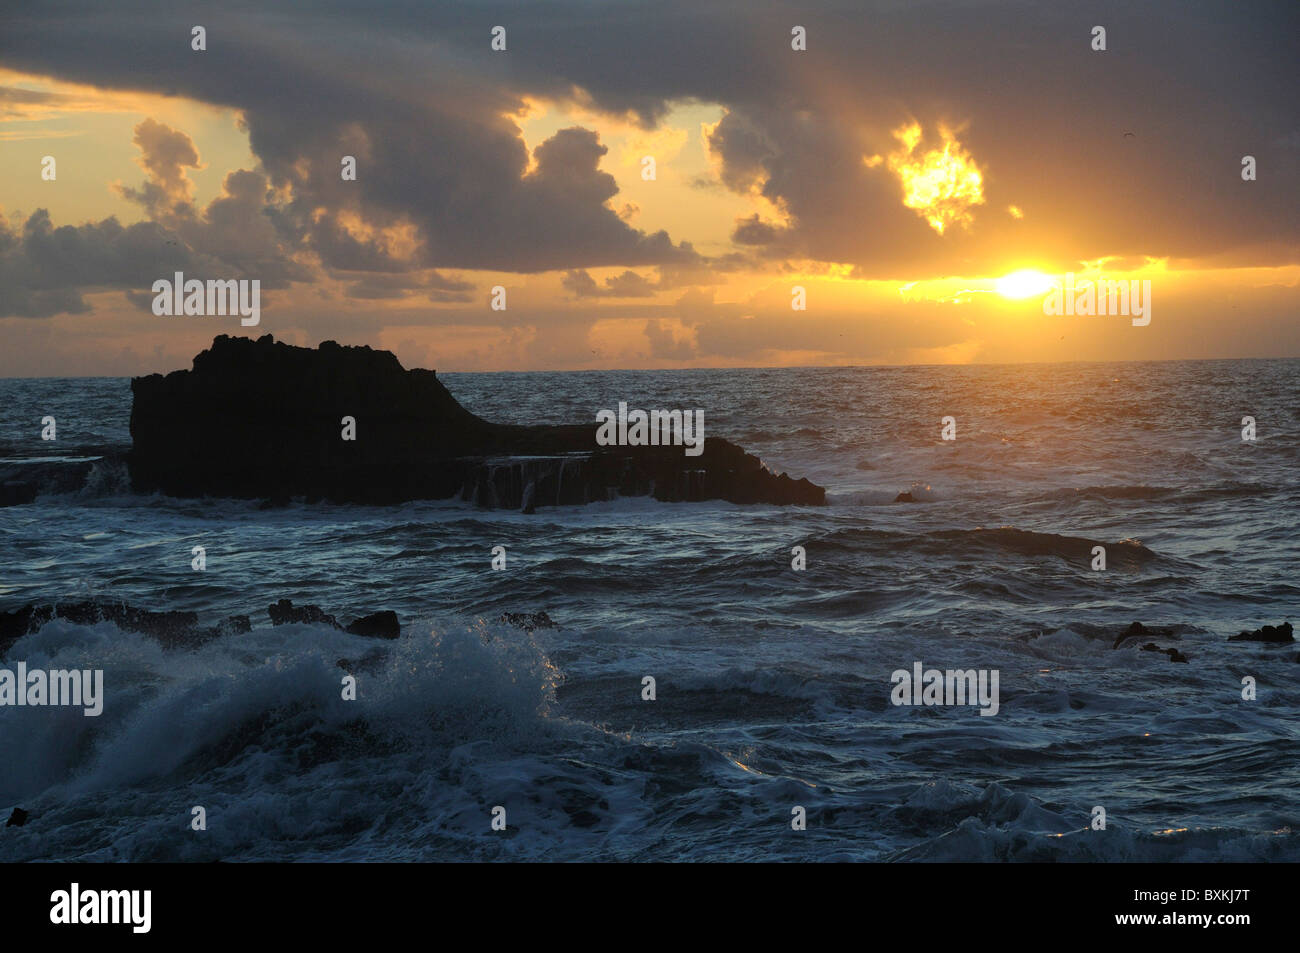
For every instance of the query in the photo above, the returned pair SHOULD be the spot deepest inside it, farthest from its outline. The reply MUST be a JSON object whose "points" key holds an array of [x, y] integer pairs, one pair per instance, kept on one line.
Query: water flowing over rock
{"points": [[263, 419]]}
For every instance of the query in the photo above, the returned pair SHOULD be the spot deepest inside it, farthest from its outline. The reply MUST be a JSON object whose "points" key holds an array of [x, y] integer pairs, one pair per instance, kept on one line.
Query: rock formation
{"points": [[1278, 634], [173, 629], [262, 419]]}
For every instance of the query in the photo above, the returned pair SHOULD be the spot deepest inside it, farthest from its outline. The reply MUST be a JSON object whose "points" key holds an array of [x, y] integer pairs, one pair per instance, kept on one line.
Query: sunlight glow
{"points": [[1024, 284], [943, 185]]}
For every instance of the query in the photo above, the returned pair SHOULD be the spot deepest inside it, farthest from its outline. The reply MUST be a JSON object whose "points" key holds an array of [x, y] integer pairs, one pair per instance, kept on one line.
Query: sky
{"points": [[831, 182]]}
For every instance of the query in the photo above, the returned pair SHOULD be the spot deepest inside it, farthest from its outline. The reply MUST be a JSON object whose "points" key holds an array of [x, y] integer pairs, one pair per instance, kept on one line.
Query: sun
{"points": [[1024, 284]]}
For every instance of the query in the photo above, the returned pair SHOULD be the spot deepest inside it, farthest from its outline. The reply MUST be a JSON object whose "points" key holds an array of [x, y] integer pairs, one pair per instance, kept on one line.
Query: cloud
{"points": [[18, 103], [753, 231], [629, 284], [446, 181], [47, 270], [165, 155], [435, 287], [665, 344]]}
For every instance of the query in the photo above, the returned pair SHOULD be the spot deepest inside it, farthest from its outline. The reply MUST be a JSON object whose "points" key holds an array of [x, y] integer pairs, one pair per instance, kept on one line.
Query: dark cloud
{"points": [[664, 344], [414, 92], [752, 231], [434, 286], [45, 270], [629, 284], [1044, 117]]}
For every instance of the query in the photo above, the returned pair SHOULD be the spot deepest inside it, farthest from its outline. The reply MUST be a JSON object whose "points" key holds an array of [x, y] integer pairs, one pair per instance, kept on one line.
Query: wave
{"points": [[1110, 493], [915, 493], [980, 540], [767, 436], [1077, 549], [258, 716], [997, 824], [1230, 489]]}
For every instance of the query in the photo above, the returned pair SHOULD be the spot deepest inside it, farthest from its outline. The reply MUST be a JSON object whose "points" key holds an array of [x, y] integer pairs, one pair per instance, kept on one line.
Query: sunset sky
{"points": [[899, 168]]}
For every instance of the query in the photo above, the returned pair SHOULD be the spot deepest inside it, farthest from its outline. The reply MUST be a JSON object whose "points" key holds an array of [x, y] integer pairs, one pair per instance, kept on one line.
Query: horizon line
{"points": [[747, 367]]}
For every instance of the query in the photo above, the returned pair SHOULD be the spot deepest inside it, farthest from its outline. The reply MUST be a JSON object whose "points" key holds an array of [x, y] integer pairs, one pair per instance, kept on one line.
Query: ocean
{"points": [[772, 685]]}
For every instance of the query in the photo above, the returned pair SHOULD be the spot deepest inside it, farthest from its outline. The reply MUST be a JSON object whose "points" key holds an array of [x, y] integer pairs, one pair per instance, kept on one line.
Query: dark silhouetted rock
{"points": [[1139, 631], [1135, 631], [14, 625], [905, 497], [18, 818], [236, 625], [1174, 654], [528, 621], [1269, 633], [377, 625], [285, 612], [23, 479], [179, 629], [262, 419], [170, 628], [16, 492]]}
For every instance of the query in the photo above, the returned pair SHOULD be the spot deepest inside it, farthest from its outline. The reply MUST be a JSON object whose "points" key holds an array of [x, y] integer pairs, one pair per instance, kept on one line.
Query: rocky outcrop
{"points": [[17, 492], [180, 629], [262, 419], [1275, 634], [285, 612], [22, 480], [169, 628], [377, 625], [1139, 631], [1173, 653]]}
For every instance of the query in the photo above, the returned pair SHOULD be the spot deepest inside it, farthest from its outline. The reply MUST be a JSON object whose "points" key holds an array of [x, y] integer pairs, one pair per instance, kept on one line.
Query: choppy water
{"points": [[773, 685]]}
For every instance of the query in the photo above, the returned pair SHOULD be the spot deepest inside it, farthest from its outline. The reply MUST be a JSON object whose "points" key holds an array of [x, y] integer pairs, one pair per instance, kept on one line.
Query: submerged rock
{"points": [[264, 420], [236, 625], [17, 492], [180, 629], [1174, 654], [14, 625], [1139, 631], [285, 612], [528, 621], [377, 625], [169, 627], [1277, 634]]}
